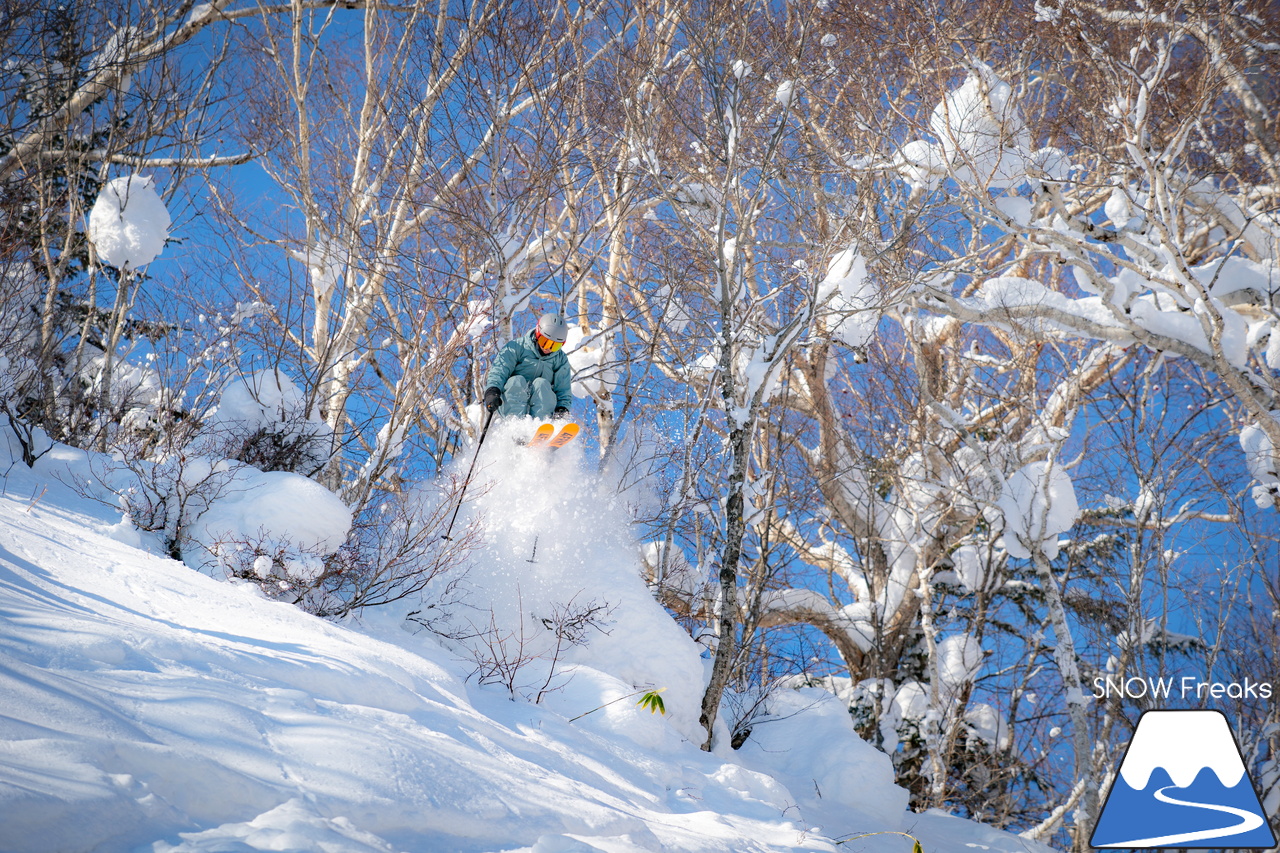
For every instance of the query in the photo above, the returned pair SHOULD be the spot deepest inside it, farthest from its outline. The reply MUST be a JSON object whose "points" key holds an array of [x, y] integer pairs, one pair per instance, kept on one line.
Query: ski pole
{"points": [[483, 432]]}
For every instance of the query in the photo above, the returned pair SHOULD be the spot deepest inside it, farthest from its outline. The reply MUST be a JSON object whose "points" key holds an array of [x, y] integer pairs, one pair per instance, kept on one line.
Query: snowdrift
{"points": [[145, 706]]}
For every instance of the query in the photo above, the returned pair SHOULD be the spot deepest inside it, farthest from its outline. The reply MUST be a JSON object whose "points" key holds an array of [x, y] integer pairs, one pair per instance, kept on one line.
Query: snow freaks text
{"points": [[1186, 687]]}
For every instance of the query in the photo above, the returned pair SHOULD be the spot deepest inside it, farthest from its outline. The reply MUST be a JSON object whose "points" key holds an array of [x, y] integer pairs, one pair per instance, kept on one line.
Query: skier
{"points": [[531, 374]]}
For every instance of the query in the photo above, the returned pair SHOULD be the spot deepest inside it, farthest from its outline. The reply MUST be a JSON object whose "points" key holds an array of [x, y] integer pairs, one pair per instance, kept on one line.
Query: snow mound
{"points": [[289, 826], [128, 223], [806, 740], [277, 513]]}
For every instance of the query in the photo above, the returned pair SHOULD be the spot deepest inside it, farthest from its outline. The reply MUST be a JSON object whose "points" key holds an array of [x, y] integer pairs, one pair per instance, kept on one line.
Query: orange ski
{"points": [[566, 434], [542, 436]]}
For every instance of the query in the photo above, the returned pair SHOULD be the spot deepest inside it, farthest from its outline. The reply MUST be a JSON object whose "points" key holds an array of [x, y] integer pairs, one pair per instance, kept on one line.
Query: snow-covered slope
{"points": [[147, 707]]}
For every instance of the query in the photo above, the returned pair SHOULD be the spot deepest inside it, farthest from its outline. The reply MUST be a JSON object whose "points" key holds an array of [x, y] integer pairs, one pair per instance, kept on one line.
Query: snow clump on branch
{"points": [[129, 223], [1260, 457], [848, 294], [983, 140], [590, 358], [1039, 503], [979, 126]]}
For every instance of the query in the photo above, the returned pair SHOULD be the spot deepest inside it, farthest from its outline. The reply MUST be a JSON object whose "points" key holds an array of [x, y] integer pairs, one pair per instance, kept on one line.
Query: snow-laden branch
{"points": [[126, 55], [140, 161], [1186, 266], [806, 607]]}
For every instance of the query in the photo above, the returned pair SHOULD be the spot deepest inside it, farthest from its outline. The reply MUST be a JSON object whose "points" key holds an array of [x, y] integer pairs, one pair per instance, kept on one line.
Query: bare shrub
{"points": [[525, 658], [394, 552], [164, 497]]}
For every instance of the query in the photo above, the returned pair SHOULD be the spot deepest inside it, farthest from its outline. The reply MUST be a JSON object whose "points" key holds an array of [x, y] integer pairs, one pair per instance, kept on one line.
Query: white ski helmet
{"points": [[552, 327]]}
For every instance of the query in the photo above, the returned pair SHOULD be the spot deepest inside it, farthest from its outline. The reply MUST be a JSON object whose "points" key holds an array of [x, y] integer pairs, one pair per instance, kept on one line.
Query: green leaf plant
{"points": [[649, 698]]}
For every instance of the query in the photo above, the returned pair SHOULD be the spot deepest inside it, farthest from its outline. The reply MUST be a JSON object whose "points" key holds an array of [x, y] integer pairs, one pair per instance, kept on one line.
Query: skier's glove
{"points": [[560, 413], [492, 399]]}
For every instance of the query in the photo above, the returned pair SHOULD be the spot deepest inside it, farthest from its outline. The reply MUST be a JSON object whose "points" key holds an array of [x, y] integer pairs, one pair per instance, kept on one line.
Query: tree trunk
{"points": [[726, 621], [1064, 654]]}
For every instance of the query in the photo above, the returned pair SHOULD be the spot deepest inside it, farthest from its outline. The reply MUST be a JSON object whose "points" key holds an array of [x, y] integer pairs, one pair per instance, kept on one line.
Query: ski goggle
{"points": [[546, 343]]}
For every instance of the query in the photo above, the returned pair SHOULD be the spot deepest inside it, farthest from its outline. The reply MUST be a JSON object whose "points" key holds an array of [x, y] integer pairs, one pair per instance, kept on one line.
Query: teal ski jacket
{"points": [[521, 357]]}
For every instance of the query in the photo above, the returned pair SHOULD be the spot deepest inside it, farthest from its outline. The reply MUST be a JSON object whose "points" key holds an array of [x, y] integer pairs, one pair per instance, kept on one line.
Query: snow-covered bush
{"points": [[272, 527], [288, 534], [166, 497], [75, 392], [80, 359], [395, 553], [528, 658], [131, 406], [228, 519], [265, 420]]}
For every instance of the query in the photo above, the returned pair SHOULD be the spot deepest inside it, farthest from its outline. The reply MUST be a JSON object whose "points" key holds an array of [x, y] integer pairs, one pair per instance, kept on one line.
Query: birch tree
{"points": [[95, 89], [1018, 290], [416, 148]]}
